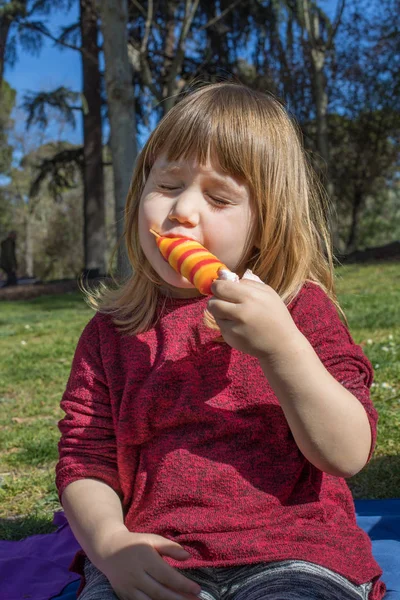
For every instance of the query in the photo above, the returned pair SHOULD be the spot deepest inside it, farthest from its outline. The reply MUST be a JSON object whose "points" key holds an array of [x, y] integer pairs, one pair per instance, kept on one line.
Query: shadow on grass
{"points": [[18, 528], [48, 302], [378, 480]]}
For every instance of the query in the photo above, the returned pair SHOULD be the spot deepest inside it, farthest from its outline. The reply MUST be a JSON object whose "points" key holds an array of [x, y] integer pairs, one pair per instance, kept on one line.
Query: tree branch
{"points": [[190, 11], [139, 7], [139, 64], [336, 23], [60, 168], [306, 22], [149, 20], [49, 35], [221, 16]]}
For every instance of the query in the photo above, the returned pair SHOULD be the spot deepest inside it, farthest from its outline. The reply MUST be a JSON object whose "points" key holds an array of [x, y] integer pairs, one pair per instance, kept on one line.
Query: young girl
{"points": [[198, 466]]}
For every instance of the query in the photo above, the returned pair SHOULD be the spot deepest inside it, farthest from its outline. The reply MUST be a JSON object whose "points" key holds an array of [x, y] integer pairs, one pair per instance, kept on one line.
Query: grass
{"points": [[370, 297], [38, 339]]}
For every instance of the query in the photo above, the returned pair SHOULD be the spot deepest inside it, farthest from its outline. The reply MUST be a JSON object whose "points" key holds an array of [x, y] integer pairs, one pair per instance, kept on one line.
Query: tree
{"points": [[319, 38], [10, 12], [94, 221], [7, 101], [366, 129], [171, 44], [34, 216], [158, 34], [64, 101], [364, 163], [18, 22], [120, 99]]}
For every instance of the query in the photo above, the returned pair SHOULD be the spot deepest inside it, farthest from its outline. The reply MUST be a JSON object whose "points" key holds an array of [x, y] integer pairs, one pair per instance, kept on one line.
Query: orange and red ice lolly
{"points": [[190, 259]]}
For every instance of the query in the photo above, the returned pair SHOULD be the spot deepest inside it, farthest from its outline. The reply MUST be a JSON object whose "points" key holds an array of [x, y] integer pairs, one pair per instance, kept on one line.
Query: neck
{"points": [[173, 292]]}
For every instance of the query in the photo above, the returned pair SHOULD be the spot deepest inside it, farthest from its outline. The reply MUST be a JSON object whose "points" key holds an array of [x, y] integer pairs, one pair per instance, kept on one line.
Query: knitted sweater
{"points": [[190, 434]]}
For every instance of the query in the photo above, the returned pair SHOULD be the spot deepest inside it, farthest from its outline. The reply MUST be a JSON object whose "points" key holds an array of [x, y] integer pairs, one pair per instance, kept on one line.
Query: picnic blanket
{"points": [[36, 568]]}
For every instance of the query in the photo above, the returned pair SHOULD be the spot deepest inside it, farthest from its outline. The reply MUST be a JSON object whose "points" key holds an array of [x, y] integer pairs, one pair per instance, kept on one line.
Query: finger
{"points": [[167, 547], [226, 290], [170, 577], [135, 595], [157, 591], [222, 310], [233, 291]]}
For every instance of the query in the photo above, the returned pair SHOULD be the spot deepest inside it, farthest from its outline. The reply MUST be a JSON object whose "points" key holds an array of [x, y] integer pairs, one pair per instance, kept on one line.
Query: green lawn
{"points": [[38, 338]]}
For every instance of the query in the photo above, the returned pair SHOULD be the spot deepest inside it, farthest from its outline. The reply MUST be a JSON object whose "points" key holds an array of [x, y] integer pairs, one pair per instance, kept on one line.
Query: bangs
{"points": [[222, 124]]}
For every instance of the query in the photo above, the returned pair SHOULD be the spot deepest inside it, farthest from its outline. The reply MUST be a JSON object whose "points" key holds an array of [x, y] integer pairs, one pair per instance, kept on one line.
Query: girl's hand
{"points": [[252, 318], [135, 568]]}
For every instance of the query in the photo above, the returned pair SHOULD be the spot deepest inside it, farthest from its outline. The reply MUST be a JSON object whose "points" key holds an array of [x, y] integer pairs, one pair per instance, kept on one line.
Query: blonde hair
{"points": [[254, 139]]}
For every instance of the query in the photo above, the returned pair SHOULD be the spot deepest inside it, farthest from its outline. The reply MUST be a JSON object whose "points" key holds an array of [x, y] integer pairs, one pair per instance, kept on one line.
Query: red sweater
{"points": [[191, 435]]}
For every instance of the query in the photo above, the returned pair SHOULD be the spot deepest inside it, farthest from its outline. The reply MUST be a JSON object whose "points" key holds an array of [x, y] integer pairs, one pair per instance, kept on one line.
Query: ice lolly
{"points": [[190, 259]]}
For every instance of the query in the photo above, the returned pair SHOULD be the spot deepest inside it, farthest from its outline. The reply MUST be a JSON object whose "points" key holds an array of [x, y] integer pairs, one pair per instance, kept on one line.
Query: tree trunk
{"points": [[29, 244], [169, 47], [355, 217], [321, 104], [114, 20], [309, 19], [4, 29], [94, 235]]}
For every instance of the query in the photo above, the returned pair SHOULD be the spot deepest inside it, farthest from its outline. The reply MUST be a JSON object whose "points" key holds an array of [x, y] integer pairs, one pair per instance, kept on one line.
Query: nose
{"points": [[185, 209]]}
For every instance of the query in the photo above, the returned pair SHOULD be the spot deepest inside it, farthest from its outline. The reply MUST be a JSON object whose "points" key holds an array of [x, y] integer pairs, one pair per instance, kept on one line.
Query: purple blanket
{"points": [[37, 568]]}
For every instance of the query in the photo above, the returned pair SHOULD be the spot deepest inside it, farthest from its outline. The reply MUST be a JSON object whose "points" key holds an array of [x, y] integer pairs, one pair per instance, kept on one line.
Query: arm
{"points": [[90, 491], [87, 447], [306, 371], [94, 512], [328, 423]]}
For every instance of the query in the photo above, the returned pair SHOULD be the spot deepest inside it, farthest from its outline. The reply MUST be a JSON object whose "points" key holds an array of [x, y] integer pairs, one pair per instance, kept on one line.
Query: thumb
{"points": [[169, 548]]}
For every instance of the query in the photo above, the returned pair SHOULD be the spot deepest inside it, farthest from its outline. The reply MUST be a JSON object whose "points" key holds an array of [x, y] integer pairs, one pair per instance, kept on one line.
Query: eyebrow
{"points": [[169, 169]]}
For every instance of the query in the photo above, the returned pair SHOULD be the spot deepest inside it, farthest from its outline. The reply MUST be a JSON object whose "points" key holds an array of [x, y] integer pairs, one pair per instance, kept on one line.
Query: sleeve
{"points": [[87, 447], [317, 318]]}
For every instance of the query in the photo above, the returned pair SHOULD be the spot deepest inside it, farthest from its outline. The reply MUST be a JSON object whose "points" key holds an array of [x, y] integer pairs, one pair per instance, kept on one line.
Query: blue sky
{"points": [[50, 69], [54, 67]]}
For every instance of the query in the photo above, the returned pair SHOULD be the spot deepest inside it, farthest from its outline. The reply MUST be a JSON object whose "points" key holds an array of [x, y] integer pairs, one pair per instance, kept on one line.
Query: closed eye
{"points": [[219, 201], [168, 188]]}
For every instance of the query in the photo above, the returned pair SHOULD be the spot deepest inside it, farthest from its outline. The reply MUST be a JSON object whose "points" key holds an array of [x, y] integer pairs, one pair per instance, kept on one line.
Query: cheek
{"points": [[151, 211], [232, 233], [146, 239], [232, 241], [142, 225]]}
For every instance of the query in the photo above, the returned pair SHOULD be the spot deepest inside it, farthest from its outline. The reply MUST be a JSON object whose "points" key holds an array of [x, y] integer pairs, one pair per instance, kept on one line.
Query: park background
{"points": [[82, 84]]}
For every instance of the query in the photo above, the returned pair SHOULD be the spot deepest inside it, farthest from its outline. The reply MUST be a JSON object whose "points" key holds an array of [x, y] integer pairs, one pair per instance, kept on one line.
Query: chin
{"points": [[173, 279], [179, 283]]}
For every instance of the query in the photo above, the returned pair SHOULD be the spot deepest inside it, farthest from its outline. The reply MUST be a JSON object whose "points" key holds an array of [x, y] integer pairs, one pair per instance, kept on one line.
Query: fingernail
{"points": [[250, 275]]}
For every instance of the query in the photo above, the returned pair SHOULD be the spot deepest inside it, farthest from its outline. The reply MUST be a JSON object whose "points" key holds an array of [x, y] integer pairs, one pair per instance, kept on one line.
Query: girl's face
{"points": [[196, 201]]}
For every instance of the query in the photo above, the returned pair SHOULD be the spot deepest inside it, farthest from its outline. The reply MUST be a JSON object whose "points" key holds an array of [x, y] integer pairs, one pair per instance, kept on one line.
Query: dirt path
{"points": [[28, 291]]}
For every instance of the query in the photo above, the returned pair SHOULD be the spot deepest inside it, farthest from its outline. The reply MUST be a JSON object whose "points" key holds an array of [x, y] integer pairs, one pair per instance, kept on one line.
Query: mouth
{"points": [[174, 235]]}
